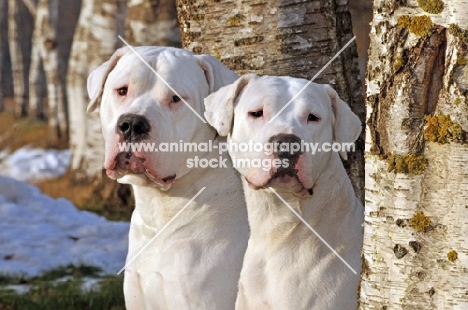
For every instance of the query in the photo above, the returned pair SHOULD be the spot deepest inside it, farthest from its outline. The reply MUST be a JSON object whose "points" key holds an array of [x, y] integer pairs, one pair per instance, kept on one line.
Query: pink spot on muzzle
{"points": [[129, 162]]}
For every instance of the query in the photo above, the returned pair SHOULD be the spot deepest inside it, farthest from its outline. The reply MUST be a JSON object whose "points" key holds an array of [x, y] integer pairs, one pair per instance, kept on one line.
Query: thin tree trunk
{"points": [[150, 22], [77, 94], [281, 38], [415, 253], [45, 59], [37, 89], [49, 52], [3, 47], [95, 40], [17, 58], [32, 8]]}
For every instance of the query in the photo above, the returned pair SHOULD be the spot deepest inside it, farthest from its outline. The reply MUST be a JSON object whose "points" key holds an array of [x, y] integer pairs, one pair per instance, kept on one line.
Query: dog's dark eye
{"points": [[256, 114], [313, 118], [122, 91], [175, 98]]}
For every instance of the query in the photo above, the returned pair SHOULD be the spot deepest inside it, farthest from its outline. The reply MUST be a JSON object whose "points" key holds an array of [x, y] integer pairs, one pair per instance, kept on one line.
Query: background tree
{"points": [[45, 55], [152, 22], [281, 38], [3, 49], [95, 40], [415, 253], [20, 25]]}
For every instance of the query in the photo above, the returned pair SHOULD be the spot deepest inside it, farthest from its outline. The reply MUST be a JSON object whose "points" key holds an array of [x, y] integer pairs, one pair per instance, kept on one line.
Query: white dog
{"points": [[286, 266], [196, 261]]}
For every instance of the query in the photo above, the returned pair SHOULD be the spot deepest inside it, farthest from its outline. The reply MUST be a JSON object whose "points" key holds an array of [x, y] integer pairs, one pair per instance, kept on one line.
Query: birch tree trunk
{"points": [[286, 37], [45, 57], [37, 89], [150, 22], [19, 24], [57, 117], [415, 253], [95, 40], [3, 47]]}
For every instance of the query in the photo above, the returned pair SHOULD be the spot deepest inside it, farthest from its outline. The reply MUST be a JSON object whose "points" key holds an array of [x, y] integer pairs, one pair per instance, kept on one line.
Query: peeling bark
{"points": [[410, 77], [281, 38]]}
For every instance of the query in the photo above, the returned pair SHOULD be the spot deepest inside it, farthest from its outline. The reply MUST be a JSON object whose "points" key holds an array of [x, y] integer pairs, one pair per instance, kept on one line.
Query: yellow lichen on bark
{"points": [[441, 129], [461, 61], [404, 21], [431, 6], [398, 63], [452, 256], [420, 222], [456, 31], [410, 163], [419, 25]]}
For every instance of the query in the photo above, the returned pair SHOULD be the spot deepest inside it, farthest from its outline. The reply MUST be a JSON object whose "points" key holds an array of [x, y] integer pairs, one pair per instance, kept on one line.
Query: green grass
{"points": [[61, 288], [69, 270], [12, 279]]}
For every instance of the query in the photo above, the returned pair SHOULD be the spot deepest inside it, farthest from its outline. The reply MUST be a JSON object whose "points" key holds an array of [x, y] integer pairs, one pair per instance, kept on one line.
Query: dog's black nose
{"points": [[286, 146], [133, 127]]}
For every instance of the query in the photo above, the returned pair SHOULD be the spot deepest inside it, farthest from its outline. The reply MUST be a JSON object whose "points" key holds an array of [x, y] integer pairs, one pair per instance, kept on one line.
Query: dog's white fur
{"points": [[195, 263], [286, 266]]}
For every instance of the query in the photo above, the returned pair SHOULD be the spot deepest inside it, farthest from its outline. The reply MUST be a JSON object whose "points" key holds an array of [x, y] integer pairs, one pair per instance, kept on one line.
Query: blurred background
{"points": [[47, 50]]}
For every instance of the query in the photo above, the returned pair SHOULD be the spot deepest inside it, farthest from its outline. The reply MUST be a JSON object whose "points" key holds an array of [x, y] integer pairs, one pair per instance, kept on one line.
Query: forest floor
{"points": [[68, 285], [16, 133]]}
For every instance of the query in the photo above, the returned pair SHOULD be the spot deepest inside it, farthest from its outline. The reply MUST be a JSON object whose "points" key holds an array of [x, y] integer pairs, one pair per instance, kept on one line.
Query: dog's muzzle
{"points": [[133, 127]]}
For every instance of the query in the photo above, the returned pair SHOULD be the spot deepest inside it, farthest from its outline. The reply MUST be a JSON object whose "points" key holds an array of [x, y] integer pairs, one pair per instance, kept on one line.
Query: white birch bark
{"points": [[37, 91], [37, 87], [95, 40], [52, 67], [17, 58], [45, 56], [404, 265], [76, 85]]}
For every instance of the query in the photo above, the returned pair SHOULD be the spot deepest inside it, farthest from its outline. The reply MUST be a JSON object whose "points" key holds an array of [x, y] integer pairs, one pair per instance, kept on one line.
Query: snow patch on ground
{"points": [[27, 164], [38, 233]]}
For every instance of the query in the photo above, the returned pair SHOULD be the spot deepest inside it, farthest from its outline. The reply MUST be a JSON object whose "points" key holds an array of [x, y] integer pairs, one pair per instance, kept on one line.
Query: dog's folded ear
{"points": [[347, 126], [219, 106], [217, 74], [97, 78]]}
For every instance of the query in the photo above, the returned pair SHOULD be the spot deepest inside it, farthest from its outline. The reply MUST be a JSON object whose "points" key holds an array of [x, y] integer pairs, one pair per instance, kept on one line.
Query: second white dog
{"points": [[286, 266]]}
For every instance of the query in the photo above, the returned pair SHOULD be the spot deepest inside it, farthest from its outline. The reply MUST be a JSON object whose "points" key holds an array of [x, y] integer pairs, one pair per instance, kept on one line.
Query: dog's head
{"points": [[255, 110], [137, 106]]}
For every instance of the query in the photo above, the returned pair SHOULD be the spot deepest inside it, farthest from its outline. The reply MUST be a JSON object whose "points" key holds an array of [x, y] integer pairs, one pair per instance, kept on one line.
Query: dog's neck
{"points": [[270, 217], [157, 207]]}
